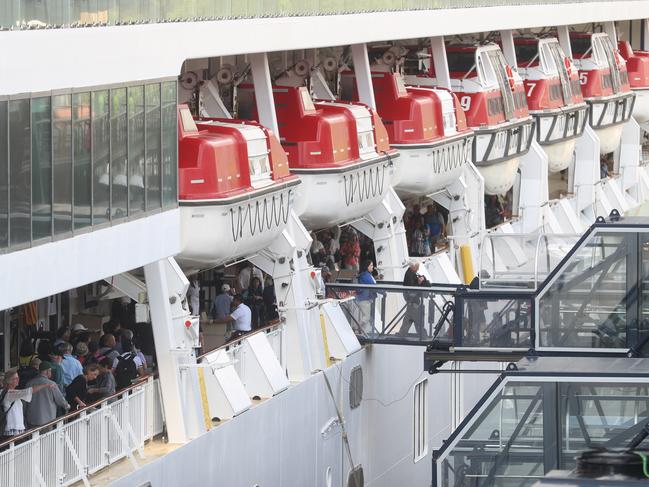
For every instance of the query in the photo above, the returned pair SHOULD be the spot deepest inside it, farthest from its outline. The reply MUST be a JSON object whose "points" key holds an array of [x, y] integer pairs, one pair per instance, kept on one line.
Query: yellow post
{"points": [[323, 327], [467, 263], [204, 402]]}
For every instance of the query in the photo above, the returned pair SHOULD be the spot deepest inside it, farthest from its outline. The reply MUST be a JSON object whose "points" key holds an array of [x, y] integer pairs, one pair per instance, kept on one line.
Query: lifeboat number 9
{"points": [[465, 102]]}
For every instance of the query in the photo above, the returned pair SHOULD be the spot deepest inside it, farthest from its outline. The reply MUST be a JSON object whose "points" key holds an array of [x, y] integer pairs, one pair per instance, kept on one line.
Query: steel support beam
{"points": [[264, 91], [363, 75], [509, 51], [440, 62], [564, 39]]}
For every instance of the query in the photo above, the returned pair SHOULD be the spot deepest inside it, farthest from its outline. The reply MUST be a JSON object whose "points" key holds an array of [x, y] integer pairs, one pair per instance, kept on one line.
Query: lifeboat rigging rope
{"points": [[260, 215]]}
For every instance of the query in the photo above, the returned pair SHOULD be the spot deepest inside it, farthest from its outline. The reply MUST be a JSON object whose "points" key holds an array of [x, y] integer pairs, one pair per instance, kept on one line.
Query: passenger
{"points": [[56, 360], [81, 353], [43, 407], [11, 401], [107, 349], [193, 296], [72, 368], [44, 350], [254, 299], [421, 239], [350, 252], [79, 334], [105, 384], [127, 335], [25, 374], [414, 303], [77, 391], [318, 252], [436, 225], [494, 213], [27, 353], [62, 336], [127, 366], [365, 298], [222, 303], [270, 300], [240, 316]]}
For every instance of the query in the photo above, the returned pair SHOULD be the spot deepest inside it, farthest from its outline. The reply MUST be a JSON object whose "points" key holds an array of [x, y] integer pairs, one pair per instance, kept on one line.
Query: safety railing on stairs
{"points": [[75, 446], [26, 14]]}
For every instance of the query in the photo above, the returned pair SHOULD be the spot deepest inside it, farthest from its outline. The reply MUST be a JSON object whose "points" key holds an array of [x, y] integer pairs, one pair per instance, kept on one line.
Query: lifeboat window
{"points": [[461, 62], [307, 102], [580, 46], [189, 126], [259, 170], [525, 53]]}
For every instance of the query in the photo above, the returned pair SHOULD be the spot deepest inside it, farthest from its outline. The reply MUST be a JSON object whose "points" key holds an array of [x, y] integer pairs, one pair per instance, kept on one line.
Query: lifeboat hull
{"points": [[215, 232], [497, 152], [334, 195], [423, 169], [607, 118], [641, 105], [557, 133]]}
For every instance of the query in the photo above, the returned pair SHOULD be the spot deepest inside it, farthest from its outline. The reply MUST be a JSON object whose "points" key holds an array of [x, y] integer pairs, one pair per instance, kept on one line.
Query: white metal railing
{"points": [[68, 452]]}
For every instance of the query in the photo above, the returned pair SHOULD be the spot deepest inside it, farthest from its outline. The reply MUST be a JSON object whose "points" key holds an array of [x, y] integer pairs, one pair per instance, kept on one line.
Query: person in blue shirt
{"points": [[365, 298], [72, 368]]}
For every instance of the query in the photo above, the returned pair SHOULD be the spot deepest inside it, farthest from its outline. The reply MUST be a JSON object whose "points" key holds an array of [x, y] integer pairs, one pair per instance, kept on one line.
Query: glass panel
{"points": [[101, 157], [586, 305], [153, 147], [19, 172], [82, 160], [118, 149], [498, 323], [169, 145], [4, 176], [62, 162], [41, 168], [136, 149]]}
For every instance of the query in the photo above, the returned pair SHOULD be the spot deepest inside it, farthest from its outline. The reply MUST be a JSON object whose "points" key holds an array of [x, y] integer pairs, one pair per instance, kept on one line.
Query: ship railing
{"points": [[73, 447], [20, 14]]}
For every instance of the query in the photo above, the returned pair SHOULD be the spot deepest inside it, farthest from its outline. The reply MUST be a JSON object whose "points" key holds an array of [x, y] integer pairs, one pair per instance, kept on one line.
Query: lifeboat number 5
{"points": [[510, 77]]}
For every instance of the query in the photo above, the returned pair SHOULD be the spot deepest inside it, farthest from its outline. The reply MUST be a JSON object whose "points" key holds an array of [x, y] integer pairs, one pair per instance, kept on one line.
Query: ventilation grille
{"points": [[356, 387]]}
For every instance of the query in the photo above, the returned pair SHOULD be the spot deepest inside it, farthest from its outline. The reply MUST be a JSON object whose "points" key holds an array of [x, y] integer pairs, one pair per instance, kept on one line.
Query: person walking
{"points": [[43, 407], [365, 298], [414, 305]]}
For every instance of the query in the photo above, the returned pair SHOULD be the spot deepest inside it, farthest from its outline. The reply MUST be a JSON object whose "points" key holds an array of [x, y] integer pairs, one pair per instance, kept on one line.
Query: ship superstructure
{"points": [[141, 153]]}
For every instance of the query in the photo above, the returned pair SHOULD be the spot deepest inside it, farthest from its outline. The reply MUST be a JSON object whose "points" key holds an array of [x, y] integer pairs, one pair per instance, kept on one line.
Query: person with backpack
{"points": [[12, 419], [127, 366]]}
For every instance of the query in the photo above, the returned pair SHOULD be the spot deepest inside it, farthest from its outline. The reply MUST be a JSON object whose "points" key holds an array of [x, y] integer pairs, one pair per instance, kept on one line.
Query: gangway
{"points": [[539, 413], [591, 301]]}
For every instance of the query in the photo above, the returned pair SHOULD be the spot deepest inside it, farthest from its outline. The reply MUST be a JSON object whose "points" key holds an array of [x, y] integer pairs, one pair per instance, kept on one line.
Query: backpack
{"points": [[3, 413], [126, 370]]}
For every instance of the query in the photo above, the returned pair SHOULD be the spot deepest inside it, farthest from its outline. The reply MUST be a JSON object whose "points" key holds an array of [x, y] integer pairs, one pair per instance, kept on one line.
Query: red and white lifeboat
{"points": [[605, 86], [637, 66], [492, 96], [554, 97], [235, 189], [428, 128], [340, 150]]}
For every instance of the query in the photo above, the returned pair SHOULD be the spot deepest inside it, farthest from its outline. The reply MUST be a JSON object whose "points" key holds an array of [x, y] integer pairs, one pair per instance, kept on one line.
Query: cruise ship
{"points": [[152, 151]]}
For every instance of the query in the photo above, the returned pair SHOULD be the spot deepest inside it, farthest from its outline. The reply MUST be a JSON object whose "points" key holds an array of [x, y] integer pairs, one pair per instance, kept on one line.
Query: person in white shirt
{"points": [[11, 401], [193, 296], [245, 274], [240, 317]]}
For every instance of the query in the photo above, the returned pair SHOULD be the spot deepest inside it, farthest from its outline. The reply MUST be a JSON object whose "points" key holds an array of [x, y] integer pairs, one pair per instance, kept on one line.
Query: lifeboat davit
{"points": [[637, 66], [428, 128], [492, 96], [554, 97], [605, 86], [235, 189], [340, 151]]}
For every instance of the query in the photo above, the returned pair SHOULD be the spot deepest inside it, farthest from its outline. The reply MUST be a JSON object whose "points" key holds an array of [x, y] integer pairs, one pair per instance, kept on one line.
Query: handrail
{"points": [[240, 338], [78, 412]]}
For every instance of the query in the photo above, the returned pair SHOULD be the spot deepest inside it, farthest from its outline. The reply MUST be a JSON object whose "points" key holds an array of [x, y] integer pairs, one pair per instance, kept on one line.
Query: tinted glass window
{"points": [[169, 145], [41, 168], [19, 172], [62, 163], [101, 157], [460, 61], [82, 174], [580, 45], [525, 52], [136, 149], [118, 141], [4, 176], [153, 147]]}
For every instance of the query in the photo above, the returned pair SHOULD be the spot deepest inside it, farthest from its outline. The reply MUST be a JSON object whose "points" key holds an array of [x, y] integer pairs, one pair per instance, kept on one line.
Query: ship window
{"points": [[62, 163], [41, 168], [420, 421], [118, 141], [355, 387], [307, 102], [169, 145], [153, 147], [136, 149], [101, 158], [4, 176], [19, 172], [81, 159]]}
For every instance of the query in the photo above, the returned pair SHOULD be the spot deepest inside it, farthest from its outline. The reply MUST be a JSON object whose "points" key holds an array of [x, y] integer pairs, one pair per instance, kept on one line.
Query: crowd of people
{"points": [[340, 248], [425, 229], [75, 368]]}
